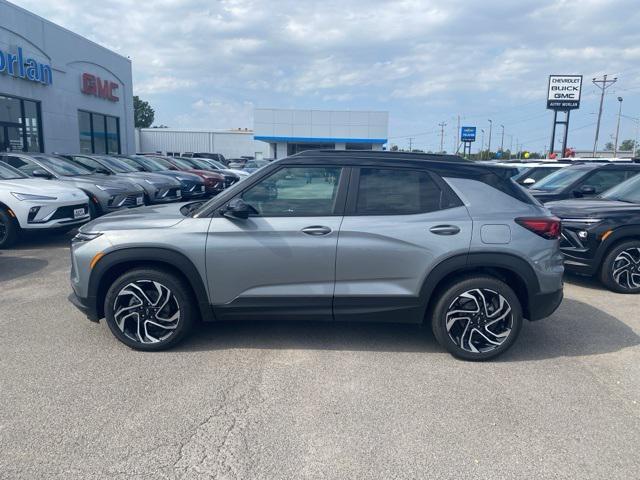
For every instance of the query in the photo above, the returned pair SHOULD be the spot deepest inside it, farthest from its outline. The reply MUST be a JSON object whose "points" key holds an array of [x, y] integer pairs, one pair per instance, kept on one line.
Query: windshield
{"points": [[628, 191], [147, 163], [560, 179], [201, 164], [184, 163], [117, 165], [61, 166], [217, 164], [10, 173]]}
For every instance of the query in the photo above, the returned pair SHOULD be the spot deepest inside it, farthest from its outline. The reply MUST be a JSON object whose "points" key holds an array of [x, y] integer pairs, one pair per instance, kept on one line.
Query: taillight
{"points": [[546, 227]]}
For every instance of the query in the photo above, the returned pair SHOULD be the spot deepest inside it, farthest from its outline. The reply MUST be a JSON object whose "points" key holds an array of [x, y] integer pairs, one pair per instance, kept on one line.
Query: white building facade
{"points": [[291, 131], [60, 92], [229, 143]]}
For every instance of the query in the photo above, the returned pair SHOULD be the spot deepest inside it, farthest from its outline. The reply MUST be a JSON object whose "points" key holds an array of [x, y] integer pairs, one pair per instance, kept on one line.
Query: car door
{"points": [[398, 224], [279, 262]]}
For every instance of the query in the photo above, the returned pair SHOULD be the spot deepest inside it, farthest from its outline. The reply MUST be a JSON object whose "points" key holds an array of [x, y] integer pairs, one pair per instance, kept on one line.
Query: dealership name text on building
{"points": [[94, 85], [16, 65]]}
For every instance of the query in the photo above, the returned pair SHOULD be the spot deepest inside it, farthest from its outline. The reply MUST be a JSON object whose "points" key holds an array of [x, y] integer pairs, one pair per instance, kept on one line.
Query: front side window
{"points": [[605, 179], [296, 192], [560, 179], [384, 191], [62, 166], [26, 166], [8, 173]]}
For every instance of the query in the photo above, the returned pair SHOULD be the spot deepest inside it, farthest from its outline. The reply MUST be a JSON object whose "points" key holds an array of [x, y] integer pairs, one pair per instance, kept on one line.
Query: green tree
{"points": [[608, 146], [143, 113], [627, 145]]}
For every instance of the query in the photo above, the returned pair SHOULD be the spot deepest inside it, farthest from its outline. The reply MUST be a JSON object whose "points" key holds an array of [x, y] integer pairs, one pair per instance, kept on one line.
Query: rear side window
{"points": [[388, 191], [25, 166]]}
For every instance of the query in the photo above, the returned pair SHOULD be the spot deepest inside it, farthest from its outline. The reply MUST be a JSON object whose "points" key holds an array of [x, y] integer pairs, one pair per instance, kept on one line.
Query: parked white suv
{"points": [[34, 204]]}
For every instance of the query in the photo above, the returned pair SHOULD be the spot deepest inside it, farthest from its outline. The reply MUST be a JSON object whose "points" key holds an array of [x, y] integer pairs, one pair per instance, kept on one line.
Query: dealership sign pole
{"points": [[467, 136], [563, 96]]}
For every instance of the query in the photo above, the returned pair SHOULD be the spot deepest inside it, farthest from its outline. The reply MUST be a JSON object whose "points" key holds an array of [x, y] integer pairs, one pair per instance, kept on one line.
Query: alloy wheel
{"points": [[479, 320], [146, 311], [626, 268]]}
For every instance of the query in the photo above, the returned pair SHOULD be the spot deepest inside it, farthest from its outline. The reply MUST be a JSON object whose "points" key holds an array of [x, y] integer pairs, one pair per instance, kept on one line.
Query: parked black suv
{"points": [[583, 180], [601, 236]]}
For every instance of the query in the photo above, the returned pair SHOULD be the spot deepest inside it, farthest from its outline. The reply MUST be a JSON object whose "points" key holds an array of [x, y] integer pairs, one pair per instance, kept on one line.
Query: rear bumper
{"points": [[542, 305]]}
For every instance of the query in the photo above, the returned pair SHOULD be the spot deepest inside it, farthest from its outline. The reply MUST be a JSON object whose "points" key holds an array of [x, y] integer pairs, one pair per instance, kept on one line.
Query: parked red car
{"points": [[214, 182]]}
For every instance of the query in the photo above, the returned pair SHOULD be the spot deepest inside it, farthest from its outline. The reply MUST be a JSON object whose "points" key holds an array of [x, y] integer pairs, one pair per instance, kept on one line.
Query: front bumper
{"points": [[542, 305], [193, 190], [82, 304]]}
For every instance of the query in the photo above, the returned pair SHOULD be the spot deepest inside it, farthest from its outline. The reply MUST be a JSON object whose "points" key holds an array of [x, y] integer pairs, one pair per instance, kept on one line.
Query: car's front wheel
{"points": [[149, 309], [620, 270], [9, 229], [477, 318]]}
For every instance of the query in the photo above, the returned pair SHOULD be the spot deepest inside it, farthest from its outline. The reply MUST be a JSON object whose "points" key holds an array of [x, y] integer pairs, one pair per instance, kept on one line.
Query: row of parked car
{"points": [[598, 202], [44, 192]]}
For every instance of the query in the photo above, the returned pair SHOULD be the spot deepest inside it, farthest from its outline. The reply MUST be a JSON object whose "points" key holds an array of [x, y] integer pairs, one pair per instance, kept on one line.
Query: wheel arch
{"points": [[618, 236], [115, 263], [514, 271]]}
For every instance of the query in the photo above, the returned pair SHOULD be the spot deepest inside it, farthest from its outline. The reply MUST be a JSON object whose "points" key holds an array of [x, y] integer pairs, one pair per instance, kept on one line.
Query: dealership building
{"points": [[291, 131], [60, 92]]}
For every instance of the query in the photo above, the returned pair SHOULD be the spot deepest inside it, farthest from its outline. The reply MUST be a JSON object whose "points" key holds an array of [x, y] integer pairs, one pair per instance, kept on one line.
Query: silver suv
{"points": [[331, 235]]}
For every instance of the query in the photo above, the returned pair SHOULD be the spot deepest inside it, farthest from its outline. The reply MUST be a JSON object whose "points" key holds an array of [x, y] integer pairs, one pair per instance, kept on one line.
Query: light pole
{"points": [[602, 84], [482, 148], [615, 145], [489, 147], [502, 140]]}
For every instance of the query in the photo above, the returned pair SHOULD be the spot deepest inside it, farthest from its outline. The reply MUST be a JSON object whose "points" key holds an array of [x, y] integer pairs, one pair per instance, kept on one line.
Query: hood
{"points": [[122, 185], [181, 176], [590, 208], [240, 173], [207, 174], [36, 186], [152, 217], [155, 178]]}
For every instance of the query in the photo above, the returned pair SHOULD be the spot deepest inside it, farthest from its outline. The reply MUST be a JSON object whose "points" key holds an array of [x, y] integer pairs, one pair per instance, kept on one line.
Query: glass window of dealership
{"points": [[21, 128]]}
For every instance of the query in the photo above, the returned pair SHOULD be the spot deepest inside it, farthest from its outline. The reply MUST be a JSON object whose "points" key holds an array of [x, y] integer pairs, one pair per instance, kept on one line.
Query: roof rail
{"points": [[383, 154]]}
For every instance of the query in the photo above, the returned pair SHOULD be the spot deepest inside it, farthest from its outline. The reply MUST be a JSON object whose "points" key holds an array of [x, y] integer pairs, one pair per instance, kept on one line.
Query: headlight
{"points": [[29, 196], [108, 189], [86, 237]]}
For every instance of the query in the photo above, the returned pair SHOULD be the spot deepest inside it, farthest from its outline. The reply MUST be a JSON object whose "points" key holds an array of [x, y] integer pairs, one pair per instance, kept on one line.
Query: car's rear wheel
{"points": [[149, 309], [620, 270], [477, 318], [9, 229]]}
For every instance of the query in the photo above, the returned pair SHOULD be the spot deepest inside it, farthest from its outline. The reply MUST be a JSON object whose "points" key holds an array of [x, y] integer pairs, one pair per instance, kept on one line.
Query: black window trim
{"points": [[448, 198], [339, 204]]}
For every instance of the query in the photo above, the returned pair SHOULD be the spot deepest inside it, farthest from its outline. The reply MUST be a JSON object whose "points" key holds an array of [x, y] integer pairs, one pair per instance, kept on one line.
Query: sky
{"points": [[207, 64]]}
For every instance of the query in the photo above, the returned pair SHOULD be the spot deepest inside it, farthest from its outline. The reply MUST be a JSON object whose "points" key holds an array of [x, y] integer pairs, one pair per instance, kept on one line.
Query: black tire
{"points": [[94, 211], [144, 278], [9, 229], [451, 299], [614, 260]]}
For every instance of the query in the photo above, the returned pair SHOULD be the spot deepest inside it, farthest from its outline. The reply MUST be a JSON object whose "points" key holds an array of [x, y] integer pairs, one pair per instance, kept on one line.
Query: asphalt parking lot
{"points": [[306, 400]]}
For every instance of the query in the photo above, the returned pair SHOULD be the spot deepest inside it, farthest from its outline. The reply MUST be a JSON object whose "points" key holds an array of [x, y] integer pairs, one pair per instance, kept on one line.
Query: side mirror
{"points": [[527, 182], [585, 190], [238, 208], [41, 173]]}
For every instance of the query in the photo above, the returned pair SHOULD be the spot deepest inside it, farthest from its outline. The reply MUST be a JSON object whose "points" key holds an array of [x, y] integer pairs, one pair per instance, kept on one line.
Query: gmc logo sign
{"points": [[94, 85]]}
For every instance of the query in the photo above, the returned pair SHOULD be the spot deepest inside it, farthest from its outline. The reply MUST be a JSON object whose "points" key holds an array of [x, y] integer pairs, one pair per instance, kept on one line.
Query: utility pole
{"points": [[442, 125], [602, 85], [482, 148], [411, 144], [502, 140], [489, 147], [456, 138], [510, 145], [615, 145], [635, 143]]}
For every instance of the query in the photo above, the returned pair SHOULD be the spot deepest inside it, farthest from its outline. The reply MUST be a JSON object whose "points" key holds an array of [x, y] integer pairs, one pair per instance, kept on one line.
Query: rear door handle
{"points": [[445, 230], [317, 230]]}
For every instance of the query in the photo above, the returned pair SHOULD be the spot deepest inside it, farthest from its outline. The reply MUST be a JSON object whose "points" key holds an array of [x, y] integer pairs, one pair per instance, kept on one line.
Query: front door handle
{"points": [[445, 230], [316, 230]]}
